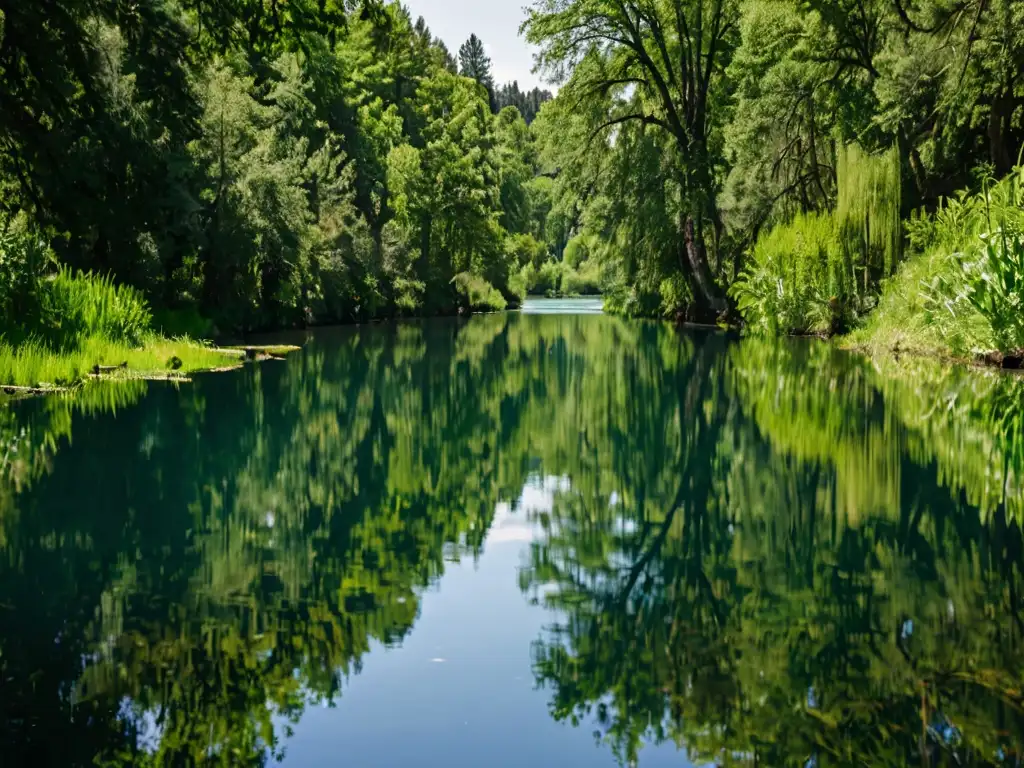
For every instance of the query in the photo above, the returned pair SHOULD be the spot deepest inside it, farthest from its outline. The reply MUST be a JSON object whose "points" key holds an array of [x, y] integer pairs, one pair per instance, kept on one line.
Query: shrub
{"points": [[577, 250], [549, 278], [675, 296], [517, 287], [525, 249], [799, 279], [477, 294], [963, 291], [803, 275], [585, 281], [633, 300], [995, 286], [545, 280], [24, 258]]}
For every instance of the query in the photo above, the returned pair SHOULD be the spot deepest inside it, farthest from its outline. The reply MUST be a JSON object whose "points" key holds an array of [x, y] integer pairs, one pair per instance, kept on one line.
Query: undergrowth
{"points": [[819, 272], [962, 293], [553, 278], [478, 295], [799, 279], [56, 327]]}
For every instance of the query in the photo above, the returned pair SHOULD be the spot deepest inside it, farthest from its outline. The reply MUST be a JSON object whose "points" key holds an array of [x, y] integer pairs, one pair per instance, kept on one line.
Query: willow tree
{"points": [[665, 59]]}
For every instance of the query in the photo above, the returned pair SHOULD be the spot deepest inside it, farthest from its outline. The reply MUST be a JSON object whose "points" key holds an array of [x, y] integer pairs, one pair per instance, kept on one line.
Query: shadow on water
{"points": [[766, 554]]}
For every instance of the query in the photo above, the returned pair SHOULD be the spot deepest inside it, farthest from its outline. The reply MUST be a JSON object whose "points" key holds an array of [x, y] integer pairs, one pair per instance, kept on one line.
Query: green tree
{"points": [[517, 163], [475, 64], [449, 189], [668, 61]]}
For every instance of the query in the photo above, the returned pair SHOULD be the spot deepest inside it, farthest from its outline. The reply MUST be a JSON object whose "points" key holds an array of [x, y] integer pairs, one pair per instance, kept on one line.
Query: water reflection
{"points": [[767, 554], [836, 580]]}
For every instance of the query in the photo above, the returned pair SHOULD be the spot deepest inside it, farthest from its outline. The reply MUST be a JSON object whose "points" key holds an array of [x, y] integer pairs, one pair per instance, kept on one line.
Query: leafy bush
{"points": [[525, 249], [675, 296], [963, 291], [585, 281], [23, 260], [477, 294], [995, 286], [799, 279], [818, 272], [545, 280], [577, 250], [517, 287], [635, 300], [549, 278]]}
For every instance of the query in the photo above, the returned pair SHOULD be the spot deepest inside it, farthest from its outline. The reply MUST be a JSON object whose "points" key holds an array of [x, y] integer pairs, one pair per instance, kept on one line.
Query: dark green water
{"points": [[521, 540]]}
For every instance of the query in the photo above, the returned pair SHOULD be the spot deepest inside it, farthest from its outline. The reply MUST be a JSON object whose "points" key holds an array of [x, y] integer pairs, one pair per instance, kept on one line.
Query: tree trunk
{"points": [[912, 169], [708, 300], [997, 124]]}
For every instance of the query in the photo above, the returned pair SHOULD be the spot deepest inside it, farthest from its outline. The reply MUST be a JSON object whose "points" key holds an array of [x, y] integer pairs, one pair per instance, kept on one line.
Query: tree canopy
{"points": [[274, 165]]}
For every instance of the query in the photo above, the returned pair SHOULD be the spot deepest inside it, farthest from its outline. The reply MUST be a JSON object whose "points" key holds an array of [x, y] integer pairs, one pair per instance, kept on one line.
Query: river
{"points": [[552, 537]]}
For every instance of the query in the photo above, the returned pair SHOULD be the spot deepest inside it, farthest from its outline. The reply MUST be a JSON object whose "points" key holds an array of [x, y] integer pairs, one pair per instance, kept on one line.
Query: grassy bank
{"points": [[33, 365], [961, 292], [59, 328], [947, 284]]}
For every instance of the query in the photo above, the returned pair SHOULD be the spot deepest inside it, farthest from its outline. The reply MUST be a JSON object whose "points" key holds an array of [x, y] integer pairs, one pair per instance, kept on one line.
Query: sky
{"points": [[496, 22]]}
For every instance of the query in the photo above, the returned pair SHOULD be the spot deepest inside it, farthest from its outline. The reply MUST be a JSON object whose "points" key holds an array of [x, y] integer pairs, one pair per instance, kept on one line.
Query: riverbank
{"points": [[32, 368]]}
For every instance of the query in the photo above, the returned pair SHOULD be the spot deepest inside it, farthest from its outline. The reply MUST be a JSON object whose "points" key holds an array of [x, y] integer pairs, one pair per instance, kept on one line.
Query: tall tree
{"points": [[527, 102], [666, 60], [476, 64]]}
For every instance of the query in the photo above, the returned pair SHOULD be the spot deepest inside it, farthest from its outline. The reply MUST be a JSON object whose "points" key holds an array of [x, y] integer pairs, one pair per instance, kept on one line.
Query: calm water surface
{"points": [[520, 540]]}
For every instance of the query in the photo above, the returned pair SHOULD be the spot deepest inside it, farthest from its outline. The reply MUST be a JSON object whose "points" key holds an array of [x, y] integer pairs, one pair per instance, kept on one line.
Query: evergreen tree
{"points": [[475, 64], [527, 102]]}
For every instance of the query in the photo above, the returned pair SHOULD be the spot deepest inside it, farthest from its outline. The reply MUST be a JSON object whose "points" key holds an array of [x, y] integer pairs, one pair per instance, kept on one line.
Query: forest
{"points": [[199, 169]]}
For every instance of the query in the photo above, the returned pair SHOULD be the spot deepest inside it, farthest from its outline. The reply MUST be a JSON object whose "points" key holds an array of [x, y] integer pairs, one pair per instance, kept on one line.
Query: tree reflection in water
{"points": [[767, 553]]}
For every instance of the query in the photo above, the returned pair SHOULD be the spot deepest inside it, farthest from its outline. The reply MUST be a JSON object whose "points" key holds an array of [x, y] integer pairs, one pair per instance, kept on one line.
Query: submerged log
{"points": [[100, 369]]}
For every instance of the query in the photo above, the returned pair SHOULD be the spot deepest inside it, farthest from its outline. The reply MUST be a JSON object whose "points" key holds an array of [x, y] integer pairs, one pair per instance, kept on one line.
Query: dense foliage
{"points": [[774, 141], [249, 165], [257, 166]]}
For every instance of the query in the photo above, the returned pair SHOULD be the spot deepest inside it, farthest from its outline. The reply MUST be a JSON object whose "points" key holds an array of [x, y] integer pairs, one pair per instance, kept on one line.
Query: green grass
{"points": [[35, 365], [911, 317], [962, 293], [57, 328], [64, 310]]}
